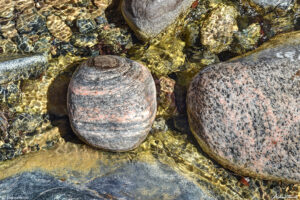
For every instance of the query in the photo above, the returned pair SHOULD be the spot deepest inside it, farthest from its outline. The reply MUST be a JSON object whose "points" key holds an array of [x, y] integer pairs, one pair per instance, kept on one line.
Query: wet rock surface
{"points": [[129, 181], [149, 18], [245, 113], [112, 102], [217, 30], [14, 68], [274, 3], [33, 112]]}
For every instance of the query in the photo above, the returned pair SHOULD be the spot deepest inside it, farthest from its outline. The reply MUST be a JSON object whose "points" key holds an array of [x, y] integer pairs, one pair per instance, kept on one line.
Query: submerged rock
{"points": [[112, 102], [274, 3], [245, 113], [130, 181], [148, 18], [14, 68], [8, 28], [10, 94], [218, 28], [58, 28], [7, 8]]}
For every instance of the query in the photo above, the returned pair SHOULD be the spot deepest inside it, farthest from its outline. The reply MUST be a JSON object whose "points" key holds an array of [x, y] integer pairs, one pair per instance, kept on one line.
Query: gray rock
{"points": [[274, 3], [129, 181], [150, 17], [14, 68], [245, 113], [39, 185]]}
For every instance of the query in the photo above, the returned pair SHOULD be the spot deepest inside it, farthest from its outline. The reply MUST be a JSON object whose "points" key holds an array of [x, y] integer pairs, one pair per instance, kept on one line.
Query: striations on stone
{"points": [[112, 102], [148, 18], [246, 113], [20, 67]]}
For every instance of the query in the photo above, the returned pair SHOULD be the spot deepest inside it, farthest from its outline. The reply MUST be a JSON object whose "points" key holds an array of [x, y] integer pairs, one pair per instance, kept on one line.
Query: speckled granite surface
{"points": [[130, 181], [112, 102], [18, 67], [274, 3], [246, 113]]}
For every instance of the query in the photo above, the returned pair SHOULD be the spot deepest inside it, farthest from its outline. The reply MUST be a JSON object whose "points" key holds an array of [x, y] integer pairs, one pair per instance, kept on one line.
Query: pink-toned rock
{"points": [[246, 113], [112, 102]]}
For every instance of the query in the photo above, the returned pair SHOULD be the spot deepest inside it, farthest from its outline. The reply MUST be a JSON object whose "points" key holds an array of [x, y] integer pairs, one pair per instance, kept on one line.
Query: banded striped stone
{"points": [[112, 102]]}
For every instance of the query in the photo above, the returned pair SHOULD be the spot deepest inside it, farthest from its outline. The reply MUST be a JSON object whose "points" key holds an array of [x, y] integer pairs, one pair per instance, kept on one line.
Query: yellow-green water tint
{"points": [[177, 150], [162, 55]]}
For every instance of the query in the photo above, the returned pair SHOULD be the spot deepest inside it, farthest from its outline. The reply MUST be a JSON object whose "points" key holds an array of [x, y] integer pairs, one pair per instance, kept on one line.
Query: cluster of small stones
{"points": [[71, 30]]}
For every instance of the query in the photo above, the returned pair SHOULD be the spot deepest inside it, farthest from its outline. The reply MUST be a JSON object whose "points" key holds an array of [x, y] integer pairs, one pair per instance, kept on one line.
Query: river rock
{"points": [[112, 102], [275, 3], [19, 67], [148, 18], [245, 113], [130, 181]]}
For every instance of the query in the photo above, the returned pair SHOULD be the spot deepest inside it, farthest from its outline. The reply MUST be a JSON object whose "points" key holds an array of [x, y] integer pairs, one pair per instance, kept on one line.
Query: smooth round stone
{"points": [[112, 102], [246, 113], [148, 18]]}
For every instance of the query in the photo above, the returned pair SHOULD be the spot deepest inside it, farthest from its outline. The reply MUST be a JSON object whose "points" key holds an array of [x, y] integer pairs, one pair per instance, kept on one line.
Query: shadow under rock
{"points": [[114, 16], [57, 104]]}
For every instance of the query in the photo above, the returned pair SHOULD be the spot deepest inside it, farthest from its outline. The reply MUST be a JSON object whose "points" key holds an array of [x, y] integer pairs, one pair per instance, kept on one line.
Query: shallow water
{"points": [[166, 154]]}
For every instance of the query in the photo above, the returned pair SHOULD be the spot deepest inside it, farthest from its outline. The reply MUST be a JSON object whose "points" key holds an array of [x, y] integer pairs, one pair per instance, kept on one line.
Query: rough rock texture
{"points": [[150, 17], [6, 8], [274, 3], [130, 181], [112, 102], [58, 28], [166, 97], [8, 28], [246, 113], [218, 28], [13, 68]]}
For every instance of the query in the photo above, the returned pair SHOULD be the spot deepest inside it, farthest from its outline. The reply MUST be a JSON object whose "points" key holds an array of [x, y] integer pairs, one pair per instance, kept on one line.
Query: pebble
{"points": [[86, 25], [58, 28], [20, 67], [166, 97], [84, 40], [8, 28], [283, 4], [29, 23], [148, 18], [112, 102], [218, 28], [245, 113], [24, 43], [10, 94], [6, 8]]}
